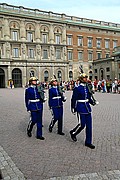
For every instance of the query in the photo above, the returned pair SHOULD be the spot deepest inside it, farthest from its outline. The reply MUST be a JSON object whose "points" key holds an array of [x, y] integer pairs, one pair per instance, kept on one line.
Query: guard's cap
{"points": [[33, 79]]}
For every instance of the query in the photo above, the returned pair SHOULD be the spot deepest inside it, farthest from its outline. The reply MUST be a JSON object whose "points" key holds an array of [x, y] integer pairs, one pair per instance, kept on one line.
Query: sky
{"points": [[102, 10]]}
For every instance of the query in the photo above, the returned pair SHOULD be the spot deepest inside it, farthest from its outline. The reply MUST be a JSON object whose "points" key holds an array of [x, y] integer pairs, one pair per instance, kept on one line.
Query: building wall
{"points": [[40, 43]]}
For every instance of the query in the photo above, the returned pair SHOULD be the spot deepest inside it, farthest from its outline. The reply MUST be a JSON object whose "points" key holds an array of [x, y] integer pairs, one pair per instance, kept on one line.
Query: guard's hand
{"points": [[97, 102], [65, 98], [73, 111], [29, 111]]}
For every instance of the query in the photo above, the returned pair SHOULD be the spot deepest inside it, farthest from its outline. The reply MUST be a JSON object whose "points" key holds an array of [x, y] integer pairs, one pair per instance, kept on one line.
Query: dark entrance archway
{"points": [[17, 77], [102, 74], [2, 78]]}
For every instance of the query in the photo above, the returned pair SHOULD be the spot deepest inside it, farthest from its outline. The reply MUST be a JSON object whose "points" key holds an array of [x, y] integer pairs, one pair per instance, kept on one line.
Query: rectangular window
{"points": [[58, 54], [80, 41], [99, 55], [90, 56], [57, 39], [80, 55], [107, 55], [45, 54], [107, 69], [44, 38], [114, 44], [95, 70], [31, 53], [15, 52], [69, 55], [14, 35], [107, 44], [89, 42], [69, 40], [30, 36], [98, 43]]}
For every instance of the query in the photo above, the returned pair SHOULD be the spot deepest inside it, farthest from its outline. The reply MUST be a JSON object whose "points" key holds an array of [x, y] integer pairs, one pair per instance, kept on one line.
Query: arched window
{"points": [[59, 75], [2, 78], [46, 75], [17, 77], [70, 75]]}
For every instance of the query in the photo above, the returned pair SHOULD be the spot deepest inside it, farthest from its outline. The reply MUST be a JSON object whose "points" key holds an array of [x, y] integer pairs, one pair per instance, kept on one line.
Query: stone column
{"points": [[64, 53], [23, 51], [66, 73], [37, 33], [7, 49], [38, 51], [52, 52], [9, 73], [51, 34], [6, 29], [39, 73], [22, 31], [64, 35]]}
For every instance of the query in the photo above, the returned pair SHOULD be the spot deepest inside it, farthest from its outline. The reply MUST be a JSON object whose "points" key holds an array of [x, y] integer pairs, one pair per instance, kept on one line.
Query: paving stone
{"points": [[59, 158]]}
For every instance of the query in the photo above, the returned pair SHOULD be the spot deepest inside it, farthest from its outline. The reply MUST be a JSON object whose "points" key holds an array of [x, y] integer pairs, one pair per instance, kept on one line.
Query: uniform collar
{"points": [[83, 84], [33, 86], [54, 86]]}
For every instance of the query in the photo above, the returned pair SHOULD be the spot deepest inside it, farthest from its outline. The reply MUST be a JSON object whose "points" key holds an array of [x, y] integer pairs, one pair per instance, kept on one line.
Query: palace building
{"points": [[40, 43]]}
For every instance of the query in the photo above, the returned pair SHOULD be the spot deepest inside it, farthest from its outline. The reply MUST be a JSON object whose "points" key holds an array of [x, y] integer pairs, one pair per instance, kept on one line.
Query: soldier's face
{"points": [[34, 82], [85, 79], [54, 83]]}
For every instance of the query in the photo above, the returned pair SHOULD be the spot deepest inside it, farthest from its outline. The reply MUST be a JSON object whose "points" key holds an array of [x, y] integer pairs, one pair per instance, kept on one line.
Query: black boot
{"points": [[91, 146], [51, 126], [29, 128], [73, 136]]}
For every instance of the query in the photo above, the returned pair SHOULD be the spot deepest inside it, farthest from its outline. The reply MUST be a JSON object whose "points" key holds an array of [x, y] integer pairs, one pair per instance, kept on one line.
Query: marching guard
{"points": [[34, 104], [80, 104], [55, 103]]}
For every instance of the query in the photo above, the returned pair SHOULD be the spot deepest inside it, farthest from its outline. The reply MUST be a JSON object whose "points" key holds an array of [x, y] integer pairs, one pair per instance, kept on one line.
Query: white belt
{"points": [[57, 97], [35, 100], [86, 100]]}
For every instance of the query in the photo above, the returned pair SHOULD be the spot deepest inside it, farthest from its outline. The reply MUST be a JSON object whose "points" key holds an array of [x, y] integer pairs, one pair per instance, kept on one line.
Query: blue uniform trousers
{"points": [[85, 121], [58, 116], [36, 118]]}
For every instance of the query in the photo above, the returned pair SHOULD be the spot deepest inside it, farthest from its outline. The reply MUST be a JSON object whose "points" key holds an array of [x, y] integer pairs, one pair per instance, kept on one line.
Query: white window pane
{"points": [[80, 41], [15, 35], [15, 52]]}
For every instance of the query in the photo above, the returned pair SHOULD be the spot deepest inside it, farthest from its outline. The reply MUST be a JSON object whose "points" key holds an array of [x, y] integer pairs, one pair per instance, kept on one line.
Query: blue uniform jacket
{"points": [[55, 97], [81, 99], [32, 99]]}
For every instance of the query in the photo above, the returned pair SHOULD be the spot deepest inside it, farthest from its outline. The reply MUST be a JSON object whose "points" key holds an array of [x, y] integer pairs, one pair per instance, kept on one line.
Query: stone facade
{"points": [[40, 43]]}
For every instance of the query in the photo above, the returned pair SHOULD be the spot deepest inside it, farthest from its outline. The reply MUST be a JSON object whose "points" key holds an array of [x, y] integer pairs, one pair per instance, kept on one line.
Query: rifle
{"points": [[41, 91], [61, 90]]}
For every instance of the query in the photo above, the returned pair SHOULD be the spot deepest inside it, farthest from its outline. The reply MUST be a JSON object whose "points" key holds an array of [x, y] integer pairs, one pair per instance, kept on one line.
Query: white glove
{"points": [[97, 102], [73, 111]]}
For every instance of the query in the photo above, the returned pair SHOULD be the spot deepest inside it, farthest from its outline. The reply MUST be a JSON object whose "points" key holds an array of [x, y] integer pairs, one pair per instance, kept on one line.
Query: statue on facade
{"points": [[7, 47], [52, 50], [23, 48], [65, 51], [38, 49]]}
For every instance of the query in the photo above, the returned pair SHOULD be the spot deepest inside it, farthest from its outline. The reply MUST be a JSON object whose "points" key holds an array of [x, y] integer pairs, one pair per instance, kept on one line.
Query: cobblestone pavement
{"points": [[58, 157]]}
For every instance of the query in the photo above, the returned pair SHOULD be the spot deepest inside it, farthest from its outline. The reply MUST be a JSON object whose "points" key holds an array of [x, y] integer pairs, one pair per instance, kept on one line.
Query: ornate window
{"points": [[80, 41], [15, 52]]}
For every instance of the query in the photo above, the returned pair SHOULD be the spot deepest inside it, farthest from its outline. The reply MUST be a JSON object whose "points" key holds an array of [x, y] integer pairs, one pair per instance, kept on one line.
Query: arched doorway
{"points": [[101, 74], [17, 77], [59, 75], [90, 75], [70, 75], [46, 76], [2, 78]]}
